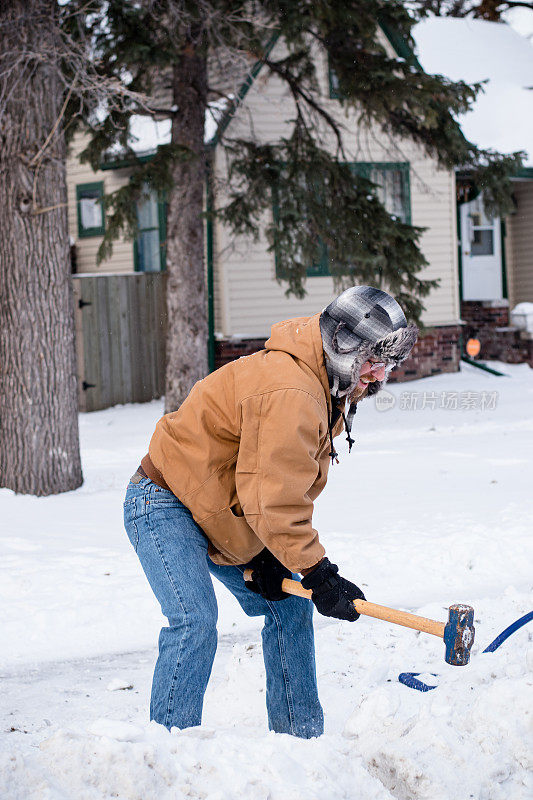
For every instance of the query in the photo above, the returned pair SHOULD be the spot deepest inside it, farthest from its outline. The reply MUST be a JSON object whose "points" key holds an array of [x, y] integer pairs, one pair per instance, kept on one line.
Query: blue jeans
{"points": [[172, 550]]}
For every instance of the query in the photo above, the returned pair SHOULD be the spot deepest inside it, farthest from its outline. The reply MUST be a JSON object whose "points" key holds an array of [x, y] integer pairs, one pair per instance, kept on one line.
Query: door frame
{"points": [[503, 260]]}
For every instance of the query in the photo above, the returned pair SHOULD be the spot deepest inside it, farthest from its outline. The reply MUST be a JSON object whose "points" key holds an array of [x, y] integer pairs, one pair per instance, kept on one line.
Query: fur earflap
{"points": [[396, 346]]}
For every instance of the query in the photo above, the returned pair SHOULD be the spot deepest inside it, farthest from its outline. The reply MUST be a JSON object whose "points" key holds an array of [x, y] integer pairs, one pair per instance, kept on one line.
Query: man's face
{"points": [[371, 371]]}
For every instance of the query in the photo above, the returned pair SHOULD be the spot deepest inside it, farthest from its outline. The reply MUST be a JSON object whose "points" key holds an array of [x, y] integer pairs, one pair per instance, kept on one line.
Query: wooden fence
{"points": [[120, 334]]}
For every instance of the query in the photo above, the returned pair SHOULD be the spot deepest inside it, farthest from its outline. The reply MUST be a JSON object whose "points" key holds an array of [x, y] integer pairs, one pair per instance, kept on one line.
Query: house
{"points": [[495, 255], [248, 295]]}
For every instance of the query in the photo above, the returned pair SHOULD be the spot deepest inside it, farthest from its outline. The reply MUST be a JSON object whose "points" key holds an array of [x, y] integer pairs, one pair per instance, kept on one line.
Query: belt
{"points": [[138, 476], [149, 471]]}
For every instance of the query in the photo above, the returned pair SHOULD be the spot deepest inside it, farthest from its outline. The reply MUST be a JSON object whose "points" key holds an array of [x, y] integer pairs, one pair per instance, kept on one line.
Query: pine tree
{"points": [[319, 203]]}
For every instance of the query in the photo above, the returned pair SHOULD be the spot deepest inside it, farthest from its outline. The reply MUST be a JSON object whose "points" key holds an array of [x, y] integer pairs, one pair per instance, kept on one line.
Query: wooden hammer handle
{"points": [[371, 609]]}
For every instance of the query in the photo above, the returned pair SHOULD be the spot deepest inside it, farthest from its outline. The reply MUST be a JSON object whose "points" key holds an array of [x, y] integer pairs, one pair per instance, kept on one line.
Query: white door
{"points": [[481, 253]]}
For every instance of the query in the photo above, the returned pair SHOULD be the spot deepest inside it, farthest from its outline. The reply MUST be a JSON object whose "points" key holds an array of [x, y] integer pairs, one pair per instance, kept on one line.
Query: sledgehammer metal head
{"points": [[459, 634]]}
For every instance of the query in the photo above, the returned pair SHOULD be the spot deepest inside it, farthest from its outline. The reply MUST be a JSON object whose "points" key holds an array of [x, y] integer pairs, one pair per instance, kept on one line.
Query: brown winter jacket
{"points": [[247, 452]]}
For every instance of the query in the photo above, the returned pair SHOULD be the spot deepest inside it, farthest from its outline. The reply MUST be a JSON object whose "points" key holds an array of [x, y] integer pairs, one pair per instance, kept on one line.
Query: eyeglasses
{"points": [[375, 366]]}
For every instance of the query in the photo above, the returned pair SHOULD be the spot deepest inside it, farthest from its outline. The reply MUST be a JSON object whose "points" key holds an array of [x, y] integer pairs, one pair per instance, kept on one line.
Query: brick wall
{"points": [[489, 322], [436, 352], [229, 349], [485, 314]]}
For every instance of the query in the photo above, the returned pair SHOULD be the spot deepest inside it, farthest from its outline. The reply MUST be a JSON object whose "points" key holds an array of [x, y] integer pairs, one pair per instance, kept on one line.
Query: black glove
{"points": [[267, 575], [332, 595]]}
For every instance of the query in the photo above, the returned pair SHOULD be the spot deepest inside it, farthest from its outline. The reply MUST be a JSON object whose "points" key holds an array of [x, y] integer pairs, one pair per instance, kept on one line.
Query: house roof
{"points": [[461, 49], [475, 50]]}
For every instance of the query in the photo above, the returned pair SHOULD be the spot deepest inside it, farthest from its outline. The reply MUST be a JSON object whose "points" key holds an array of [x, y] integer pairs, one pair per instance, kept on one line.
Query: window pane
{"points": [[321, 266], [478, 215], [91, 212], [149, 251], [482, 243], [333, 84], [392, 191], [147, 212]]}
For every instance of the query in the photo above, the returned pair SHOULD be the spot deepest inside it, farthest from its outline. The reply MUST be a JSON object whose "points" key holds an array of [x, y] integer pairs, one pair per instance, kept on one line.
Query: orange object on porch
{"points": [[473, 346]]}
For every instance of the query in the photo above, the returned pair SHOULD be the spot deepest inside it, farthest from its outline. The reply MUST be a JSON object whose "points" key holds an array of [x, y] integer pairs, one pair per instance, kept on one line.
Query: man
{"points": [[229, 483]]}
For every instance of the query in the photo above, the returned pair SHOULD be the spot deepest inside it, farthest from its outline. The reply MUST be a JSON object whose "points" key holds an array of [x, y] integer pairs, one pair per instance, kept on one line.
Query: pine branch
{"points": [[320, 203], [299, 92]]}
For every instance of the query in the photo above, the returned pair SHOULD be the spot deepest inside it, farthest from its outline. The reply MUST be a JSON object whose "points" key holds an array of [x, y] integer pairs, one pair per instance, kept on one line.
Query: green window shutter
{"points": [[91, 215], [281, 274], [162, 214]]}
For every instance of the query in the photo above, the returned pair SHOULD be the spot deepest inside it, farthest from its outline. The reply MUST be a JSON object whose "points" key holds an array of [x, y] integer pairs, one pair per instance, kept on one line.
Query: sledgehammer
{"points": [[457, 633]]}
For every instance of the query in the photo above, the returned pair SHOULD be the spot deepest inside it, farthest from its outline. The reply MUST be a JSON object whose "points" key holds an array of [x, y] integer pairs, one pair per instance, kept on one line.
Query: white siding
{"points": [[251, 299], [519, 250], [87, 247]]}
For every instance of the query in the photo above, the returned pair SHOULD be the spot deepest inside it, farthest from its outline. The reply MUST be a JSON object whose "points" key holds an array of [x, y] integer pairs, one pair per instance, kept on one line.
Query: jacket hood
{"points": [[301, 338]]}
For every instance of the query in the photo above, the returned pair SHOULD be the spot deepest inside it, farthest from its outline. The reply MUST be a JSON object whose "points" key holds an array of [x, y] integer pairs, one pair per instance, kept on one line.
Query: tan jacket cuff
{"points": [[310, 558], [307, 570]]}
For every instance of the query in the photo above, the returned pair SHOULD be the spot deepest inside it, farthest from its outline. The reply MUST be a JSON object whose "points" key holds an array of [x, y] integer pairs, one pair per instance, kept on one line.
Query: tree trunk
{"points": [[39, 443], [489, 10], [187, 337]]}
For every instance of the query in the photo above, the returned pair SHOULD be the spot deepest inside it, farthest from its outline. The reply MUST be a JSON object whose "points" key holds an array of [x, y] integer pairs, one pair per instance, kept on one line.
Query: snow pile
{"points": [[522, 316], [136, 763], [470, 737], [119, 684], [523, 308], [476, 50], [432, 507]]}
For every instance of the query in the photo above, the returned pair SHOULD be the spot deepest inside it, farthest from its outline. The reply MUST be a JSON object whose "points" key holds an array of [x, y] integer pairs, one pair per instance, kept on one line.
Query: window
{"points": [[150, 245], [333, 81], [481, 230], [392, 182], [91, 218], [319, 268], [393, 190]]}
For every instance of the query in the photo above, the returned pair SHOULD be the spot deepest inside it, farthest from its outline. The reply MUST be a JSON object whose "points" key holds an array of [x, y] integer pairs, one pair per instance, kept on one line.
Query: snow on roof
{"points": [[213, 115], [475, 50], [147, 133], [521, 19]]}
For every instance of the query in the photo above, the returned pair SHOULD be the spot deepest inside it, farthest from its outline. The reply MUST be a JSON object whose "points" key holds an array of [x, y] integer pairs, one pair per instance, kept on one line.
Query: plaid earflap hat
{"points": [[362, 323]]}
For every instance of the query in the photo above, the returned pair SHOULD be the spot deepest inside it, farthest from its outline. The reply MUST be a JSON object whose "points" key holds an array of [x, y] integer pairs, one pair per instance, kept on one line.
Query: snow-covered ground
{"points": [[432, 507]]}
